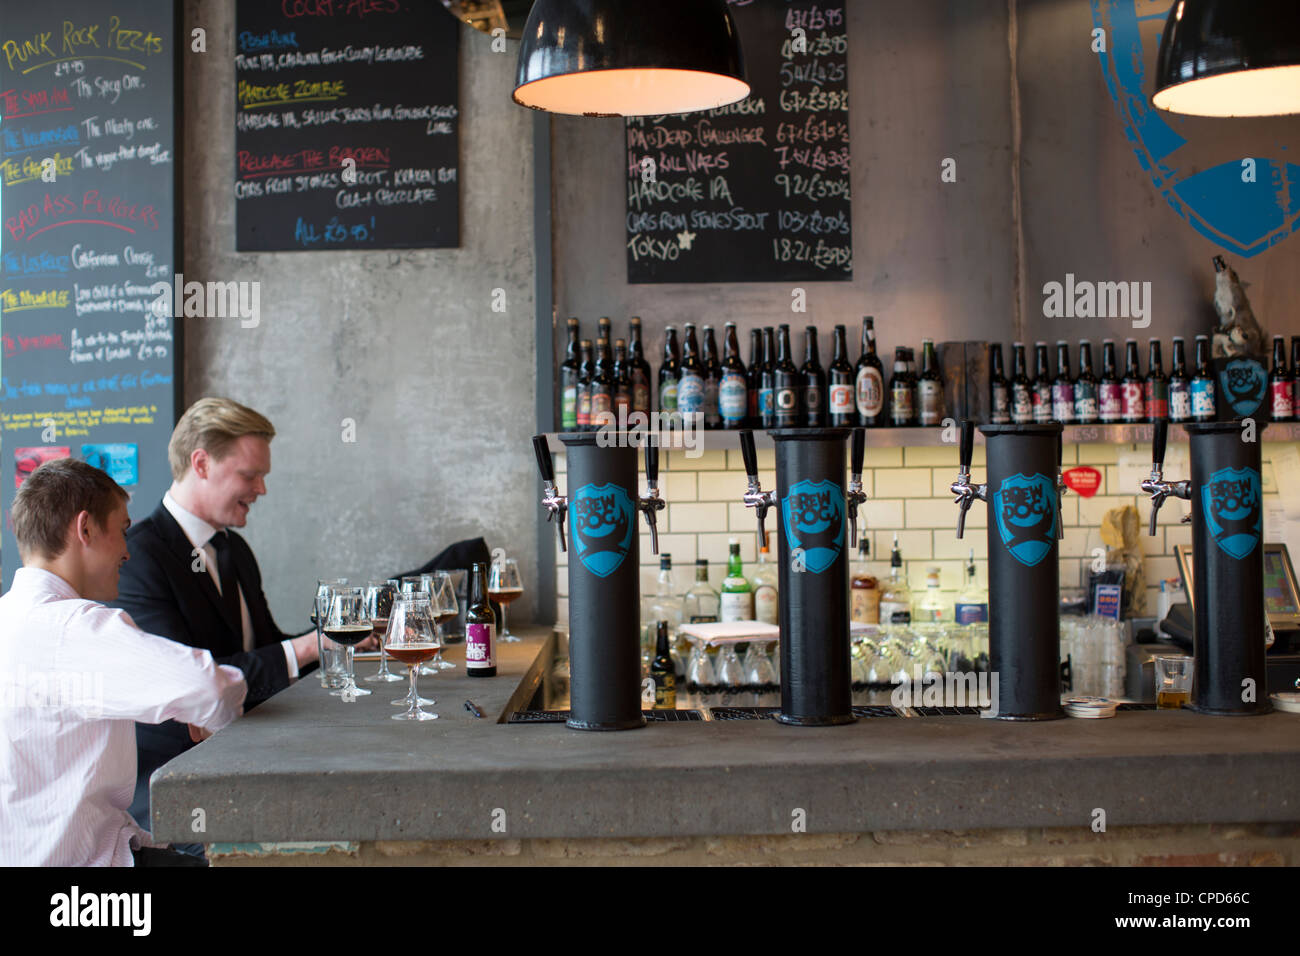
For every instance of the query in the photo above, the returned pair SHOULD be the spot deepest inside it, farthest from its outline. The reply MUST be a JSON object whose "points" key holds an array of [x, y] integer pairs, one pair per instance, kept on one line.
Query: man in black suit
{"points": [[190, 578]]}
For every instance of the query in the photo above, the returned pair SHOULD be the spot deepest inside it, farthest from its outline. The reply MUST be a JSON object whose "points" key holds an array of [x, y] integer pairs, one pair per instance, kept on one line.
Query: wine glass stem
{"points": [[383, 660], [505, 630], [437, 630], [414, 671]]}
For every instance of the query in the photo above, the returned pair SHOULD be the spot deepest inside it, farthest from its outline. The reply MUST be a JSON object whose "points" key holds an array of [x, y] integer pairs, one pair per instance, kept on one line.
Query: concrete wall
{"points": [[402, 342]]}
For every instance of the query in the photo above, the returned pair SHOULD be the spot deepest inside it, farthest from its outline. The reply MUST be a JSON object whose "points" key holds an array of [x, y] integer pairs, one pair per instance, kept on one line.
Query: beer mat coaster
{"points": [[1090, 707], [731, 632], [1286, 701]]}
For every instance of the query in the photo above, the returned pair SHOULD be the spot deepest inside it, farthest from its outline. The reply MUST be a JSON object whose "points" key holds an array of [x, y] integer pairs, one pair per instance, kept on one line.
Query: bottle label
{"points": [[1110, 404], [1001, 399], [737, 606], [1180, 401], [1283, 405], [892, 612], [1062, 401], [864, 605], [1130, 401], [733, 397], [902, 403], [668, 397], [871, 392], [1042, 403], [690, 394], [787, 404], [930, 398], [812, 399], [841, 399], [584, 406], [766, 402], [665, 691], [1156, 396], [640, 394], [601, 402], [970, 613], [569, 408], [711, 414], [1202, 398], [766, 607], [1085, 402], [1022, 405], [480, 646]]}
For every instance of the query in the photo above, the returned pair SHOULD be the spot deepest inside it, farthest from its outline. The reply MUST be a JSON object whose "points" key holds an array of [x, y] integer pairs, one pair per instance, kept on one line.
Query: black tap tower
{"points": [[604, 574], [816, 683], [1023, 493], [1228, 669]]}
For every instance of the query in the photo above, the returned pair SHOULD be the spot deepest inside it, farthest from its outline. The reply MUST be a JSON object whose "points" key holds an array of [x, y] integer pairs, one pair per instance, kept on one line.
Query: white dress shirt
{"points": [[75, 676], [200, 533]]}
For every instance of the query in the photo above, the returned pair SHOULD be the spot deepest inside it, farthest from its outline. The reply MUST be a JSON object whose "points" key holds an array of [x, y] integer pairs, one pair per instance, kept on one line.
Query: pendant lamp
{"points": [[629, 57]]}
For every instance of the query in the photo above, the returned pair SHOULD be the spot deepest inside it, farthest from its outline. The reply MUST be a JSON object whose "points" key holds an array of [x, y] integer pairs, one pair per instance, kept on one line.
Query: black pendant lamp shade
{"points": [[629, 57], [1230, 58]]}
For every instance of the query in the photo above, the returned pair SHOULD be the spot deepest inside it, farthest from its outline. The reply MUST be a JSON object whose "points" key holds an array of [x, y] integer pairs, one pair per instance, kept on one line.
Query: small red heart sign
{"points": [[1083, 480]]}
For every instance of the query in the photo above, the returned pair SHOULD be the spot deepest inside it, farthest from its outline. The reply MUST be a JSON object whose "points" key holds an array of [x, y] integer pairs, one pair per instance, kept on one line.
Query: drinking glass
{"points": [[699, 671], [331, 655], [504, 585], [442, 600], [379, 605], [407, 700], [412, 640], [730, 671], [413, 582], [347, 623], [758, 665], [1173, 682]]}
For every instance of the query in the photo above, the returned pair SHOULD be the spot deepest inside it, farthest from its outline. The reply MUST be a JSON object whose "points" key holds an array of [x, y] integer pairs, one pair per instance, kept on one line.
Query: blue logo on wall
{"points": [[603, 526], [1233, 513], [1242, 383], [812, 513], [1026, 514]]}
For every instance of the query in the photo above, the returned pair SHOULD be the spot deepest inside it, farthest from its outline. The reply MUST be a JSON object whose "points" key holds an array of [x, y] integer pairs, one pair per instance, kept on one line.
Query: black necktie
{"points": [[229, 582]]}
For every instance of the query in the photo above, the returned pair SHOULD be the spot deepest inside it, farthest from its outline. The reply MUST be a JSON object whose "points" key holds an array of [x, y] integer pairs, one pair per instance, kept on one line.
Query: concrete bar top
{"points": [[305, 766]]}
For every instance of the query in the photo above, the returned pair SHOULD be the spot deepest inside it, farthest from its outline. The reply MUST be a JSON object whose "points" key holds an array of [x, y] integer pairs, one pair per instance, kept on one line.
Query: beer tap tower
{"points": [[1228, 665], [1023, 492], [816, 683], [604, 573]]}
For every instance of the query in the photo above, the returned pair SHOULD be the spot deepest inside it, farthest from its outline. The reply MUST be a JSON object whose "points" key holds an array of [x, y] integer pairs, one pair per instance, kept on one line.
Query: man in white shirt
{"points": [[77, 676]]}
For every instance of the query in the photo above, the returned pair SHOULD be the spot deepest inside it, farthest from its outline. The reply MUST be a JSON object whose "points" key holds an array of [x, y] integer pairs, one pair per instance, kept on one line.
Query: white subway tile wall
{"points": [[908, 496]]}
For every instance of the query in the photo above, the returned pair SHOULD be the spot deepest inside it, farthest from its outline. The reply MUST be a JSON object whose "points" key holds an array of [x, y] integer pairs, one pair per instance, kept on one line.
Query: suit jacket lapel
{"points": [[180, 545]]}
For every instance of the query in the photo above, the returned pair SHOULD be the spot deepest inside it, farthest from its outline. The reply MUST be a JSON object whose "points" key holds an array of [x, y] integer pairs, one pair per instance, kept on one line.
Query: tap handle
{"points": [[967, 443], [856, 448], [1159, 438], [748, 453], [651, 460], [543, 453]]}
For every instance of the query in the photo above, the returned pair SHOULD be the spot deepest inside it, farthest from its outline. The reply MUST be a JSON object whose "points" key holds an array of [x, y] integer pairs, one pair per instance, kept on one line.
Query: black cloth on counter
{"points": [[460, 556]]}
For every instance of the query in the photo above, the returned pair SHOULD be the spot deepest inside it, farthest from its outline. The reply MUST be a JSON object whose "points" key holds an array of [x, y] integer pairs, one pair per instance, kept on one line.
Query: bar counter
{"points": [[308, 768]]}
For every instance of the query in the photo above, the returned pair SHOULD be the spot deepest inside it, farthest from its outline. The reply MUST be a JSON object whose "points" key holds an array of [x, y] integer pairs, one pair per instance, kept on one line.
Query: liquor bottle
{"points": [[812, 382], [1180, 387], [999, 389], [1156, 391], [753, 378], [972, 606], [700, 603], [1131, 405], [690, 383], [766, 583], [1041, 396], [896, 598], [1022, 396], [664, 604], [669, 371], [869, 379], [1202, 385], [1279, 384], [638, 369], [622, 383], [929, 387], [712, 380], [902, 392], [733, 387], [1063, 386], [931, 607], [663, 672], [785, 394], [737, 595], [480, 627], [1086, 405], [864, 589], [602, 386], [840, 382], [570, 369], [1109, 402], [586, 371], [767, 382]]}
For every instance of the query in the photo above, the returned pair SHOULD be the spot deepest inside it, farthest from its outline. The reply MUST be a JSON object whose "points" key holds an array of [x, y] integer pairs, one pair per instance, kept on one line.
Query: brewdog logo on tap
{"points": [[1242, 383], [1025, 508], [1233, 510], [603, 527], [812, 513]]}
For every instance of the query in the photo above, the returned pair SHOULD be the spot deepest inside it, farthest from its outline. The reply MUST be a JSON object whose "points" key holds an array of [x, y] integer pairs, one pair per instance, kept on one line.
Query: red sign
{"points": [[1084, 480]]}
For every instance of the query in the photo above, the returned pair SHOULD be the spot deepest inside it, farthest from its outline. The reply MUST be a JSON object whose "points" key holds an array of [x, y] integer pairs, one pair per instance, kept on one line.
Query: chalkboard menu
{"points": [[87, 243], [757, 191], [346, 125]]}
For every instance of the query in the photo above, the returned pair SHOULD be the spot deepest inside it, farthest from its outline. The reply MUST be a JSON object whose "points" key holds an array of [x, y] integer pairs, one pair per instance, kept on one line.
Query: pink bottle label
{"points": [[480, 646]]}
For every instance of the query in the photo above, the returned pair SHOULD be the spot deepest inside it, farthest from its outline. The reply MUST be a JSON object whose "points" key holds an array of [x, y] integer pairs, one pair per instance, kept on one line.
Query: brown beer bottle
{"points": [[480, 627]]}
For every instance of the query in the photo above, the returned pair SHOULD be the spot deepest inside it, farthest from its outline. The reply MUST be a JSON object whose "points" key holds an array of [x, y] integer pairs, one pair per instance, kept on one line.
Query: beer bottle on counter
{"points": [[622, 382], [1109, 399], [712, 379], [1202, 385], [812, 382], [480, 627], [999, 389], [690, 383], [1279, 384], [1085, 387], [669, 371], [1063, 386], [638, 369], [586, 371], [662, 671], [840, 383], [602, 385], [1132, 408], [902, 392], [1022, 397], [1156, 392], [1180, 388], [929, 387], [570, 369], [1042, 393], [767, 382], [869, 380], [737, 593], [753, 378], [785, 382], [733, 389]]}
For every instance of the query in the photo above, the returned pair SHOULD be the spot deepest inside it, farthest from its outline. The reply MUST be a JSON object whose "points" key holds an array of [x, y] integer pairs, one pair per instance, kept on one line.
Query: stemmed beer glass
{"points": [[347, 623], [379, 605], [504, 585], [412, 640]]}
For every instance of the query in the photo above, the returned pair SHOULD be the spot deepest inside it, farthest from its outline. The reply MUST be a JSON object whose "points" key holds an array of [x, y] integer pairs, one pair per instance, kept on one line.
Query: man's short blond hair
{"points": [[213, 424]]}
